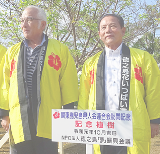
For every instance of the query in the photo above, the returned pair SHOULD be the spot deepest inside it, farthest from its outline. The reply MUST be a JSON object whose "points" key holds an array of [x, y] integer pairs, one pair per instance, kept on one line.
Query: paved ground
{"points": [[155, 144], [5, 147], [80, 148]]}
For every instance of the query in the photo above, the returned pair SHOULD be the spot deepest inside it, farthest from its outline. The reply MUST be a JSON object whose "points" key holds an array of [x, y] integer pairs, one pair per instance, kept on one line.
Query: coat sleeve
{"points": [[68, 77], [155, 121], [84, 89], [2, 52], [4, 113], [152, 87], [4, 85]]}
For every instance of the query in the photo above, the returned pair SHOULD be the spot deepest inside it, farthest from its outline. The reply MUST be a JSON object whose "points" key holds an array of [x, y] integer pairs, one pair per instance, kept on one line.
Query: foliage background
{"points": [[74, 22]]}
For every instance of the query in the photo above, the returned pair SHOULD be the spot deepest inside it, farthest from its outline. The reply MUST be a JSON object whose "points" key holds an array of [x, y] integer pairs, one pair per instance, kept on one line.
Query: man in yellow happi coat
{"points": [[38, 75], [122, 78]]}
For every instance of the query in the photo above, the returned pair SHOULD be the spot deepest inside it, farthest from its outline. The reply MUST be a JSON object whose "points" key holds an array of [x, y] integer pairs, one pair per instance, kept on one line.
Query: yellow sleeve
{"points": [[2, 52], [84, 89], [152, 87], [4, 82], [68, 77]]}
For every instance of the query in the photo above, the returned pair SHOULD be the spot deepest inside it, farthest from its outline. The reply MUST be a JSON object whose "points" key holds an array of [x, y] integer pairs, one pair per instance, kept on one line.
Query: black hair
{"points": [[120, 19]]}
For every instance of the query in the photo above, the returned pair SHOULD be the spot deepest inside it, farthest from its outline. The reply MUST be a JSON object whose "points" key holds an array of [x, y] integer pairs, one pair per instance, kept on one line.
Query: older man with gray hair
{"points": [[38, 75]]}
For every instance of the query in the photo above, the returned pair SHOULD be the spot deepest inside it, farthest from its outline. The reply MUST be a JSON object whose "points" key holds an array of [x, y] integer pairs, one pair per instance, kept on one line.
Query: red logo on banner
{"points": [[12, 67], [138, 73], [56, 115], [54, 61], [92, 76]]}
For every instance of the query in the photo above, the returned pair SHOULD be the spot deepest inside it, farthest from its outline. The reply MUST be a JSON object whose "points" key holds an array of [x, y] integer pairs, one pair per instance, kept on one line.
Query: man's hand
{"points": [[154, 130], [5, 122]]}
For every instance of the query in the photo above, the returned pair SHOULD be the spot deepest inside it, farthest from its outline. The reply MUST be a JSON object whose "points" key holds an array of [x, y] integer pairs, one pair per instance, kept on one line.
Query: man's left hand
{"points": [[5, 122], [154, 130]]}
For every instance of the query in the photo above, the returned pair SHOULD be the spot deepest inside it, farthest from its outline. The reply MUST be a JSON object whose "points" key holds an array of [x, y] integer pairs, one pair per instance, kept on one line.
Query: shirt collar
{"points": [[113, 53], [43, 40]]}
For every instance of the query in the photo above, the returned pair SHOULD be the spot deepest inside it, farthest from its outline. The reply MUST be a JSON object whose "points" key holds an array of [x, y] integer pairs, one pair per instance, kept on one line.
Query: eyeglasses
{"points": [[28, 19]]}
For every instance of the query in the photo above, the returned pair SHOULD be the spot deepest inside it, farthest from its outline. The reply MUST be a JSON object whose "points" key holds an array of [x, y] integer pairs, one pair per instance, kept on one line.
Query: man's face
{"points": [[110, 32], [31, 25]]}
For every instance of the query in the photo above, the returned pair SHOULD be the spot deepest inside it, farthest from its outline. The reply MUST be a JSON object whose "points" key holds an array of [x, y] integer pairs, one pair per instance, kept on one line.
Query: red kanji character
{"points": [[92, 76], [138, 74], [99, 124], [56, 115], [89, 124], [12, 67], [78, 123], [54, 61], [110, 125]]}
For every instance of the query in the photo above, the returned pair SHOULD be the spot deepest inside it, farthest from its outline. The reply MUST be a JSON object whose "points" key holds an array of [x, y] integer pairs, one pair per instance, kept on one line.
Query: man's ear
{"points": [[99, 34], [43, 24], [123, 30]]}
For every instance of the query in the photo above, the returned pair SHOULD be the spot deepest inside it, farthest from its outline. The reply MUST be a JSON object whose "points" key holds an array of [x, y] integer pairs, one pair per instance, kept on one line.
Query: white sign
{"points": [[92, 127]]}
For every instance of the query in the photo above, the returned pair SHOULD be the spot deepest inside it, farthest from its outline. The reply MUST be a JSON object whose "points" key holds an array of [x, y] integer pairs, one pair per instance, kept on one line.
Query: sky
{"points": [[150, 1]]}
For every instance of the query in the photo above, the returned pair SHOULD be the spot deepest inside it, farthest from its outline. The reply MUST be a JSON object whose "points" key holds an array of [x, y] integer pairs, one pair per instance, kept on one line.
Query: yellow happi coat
{"points": [[144, 100], [2, 52], [58, 86]]}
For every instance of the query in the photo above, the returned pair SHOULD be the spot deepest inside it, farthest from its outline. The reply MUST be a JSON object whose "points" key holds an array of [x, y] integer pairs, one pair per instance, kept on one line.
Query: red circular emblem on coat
{"points": [[12, 67], [54, 61]]}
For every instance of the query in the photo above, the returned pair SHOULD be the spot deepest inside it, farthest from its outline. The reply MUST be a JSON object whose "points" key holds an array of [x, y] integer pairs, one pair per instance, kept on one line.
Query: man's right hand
{"points": [[5, 123]]}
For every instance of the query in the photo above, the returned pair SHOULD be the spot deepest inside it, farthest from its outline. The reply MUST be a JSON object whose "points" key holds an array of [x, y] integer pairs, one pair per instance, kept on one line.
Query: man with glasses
{"points": [[39, 75]]}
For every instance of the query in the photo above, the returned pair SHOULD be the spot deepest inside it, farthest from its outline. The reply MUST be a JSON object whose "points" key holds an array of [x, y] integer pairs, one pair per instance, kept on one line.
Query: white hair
{"points": [[41, 13]]}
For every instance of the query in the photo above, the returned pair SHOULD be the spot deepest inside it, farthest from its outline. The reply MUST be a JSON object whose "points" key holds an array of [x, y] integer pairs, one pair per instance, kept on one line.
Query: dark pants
{"points": [[37, 146], [106, 149]]}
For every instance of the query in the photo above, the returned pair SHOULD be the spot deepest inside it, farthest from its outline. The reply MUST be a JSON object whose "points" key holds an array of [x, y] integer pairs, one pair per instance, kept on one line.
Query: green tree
{"points": [[149, 43], [75, 22]]}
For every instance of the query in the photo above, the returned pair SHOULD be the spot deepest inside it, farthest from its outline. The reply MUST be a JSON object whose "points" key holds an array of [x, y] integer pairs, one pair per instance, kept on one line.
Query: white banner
{"points": [[92, 127]]}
